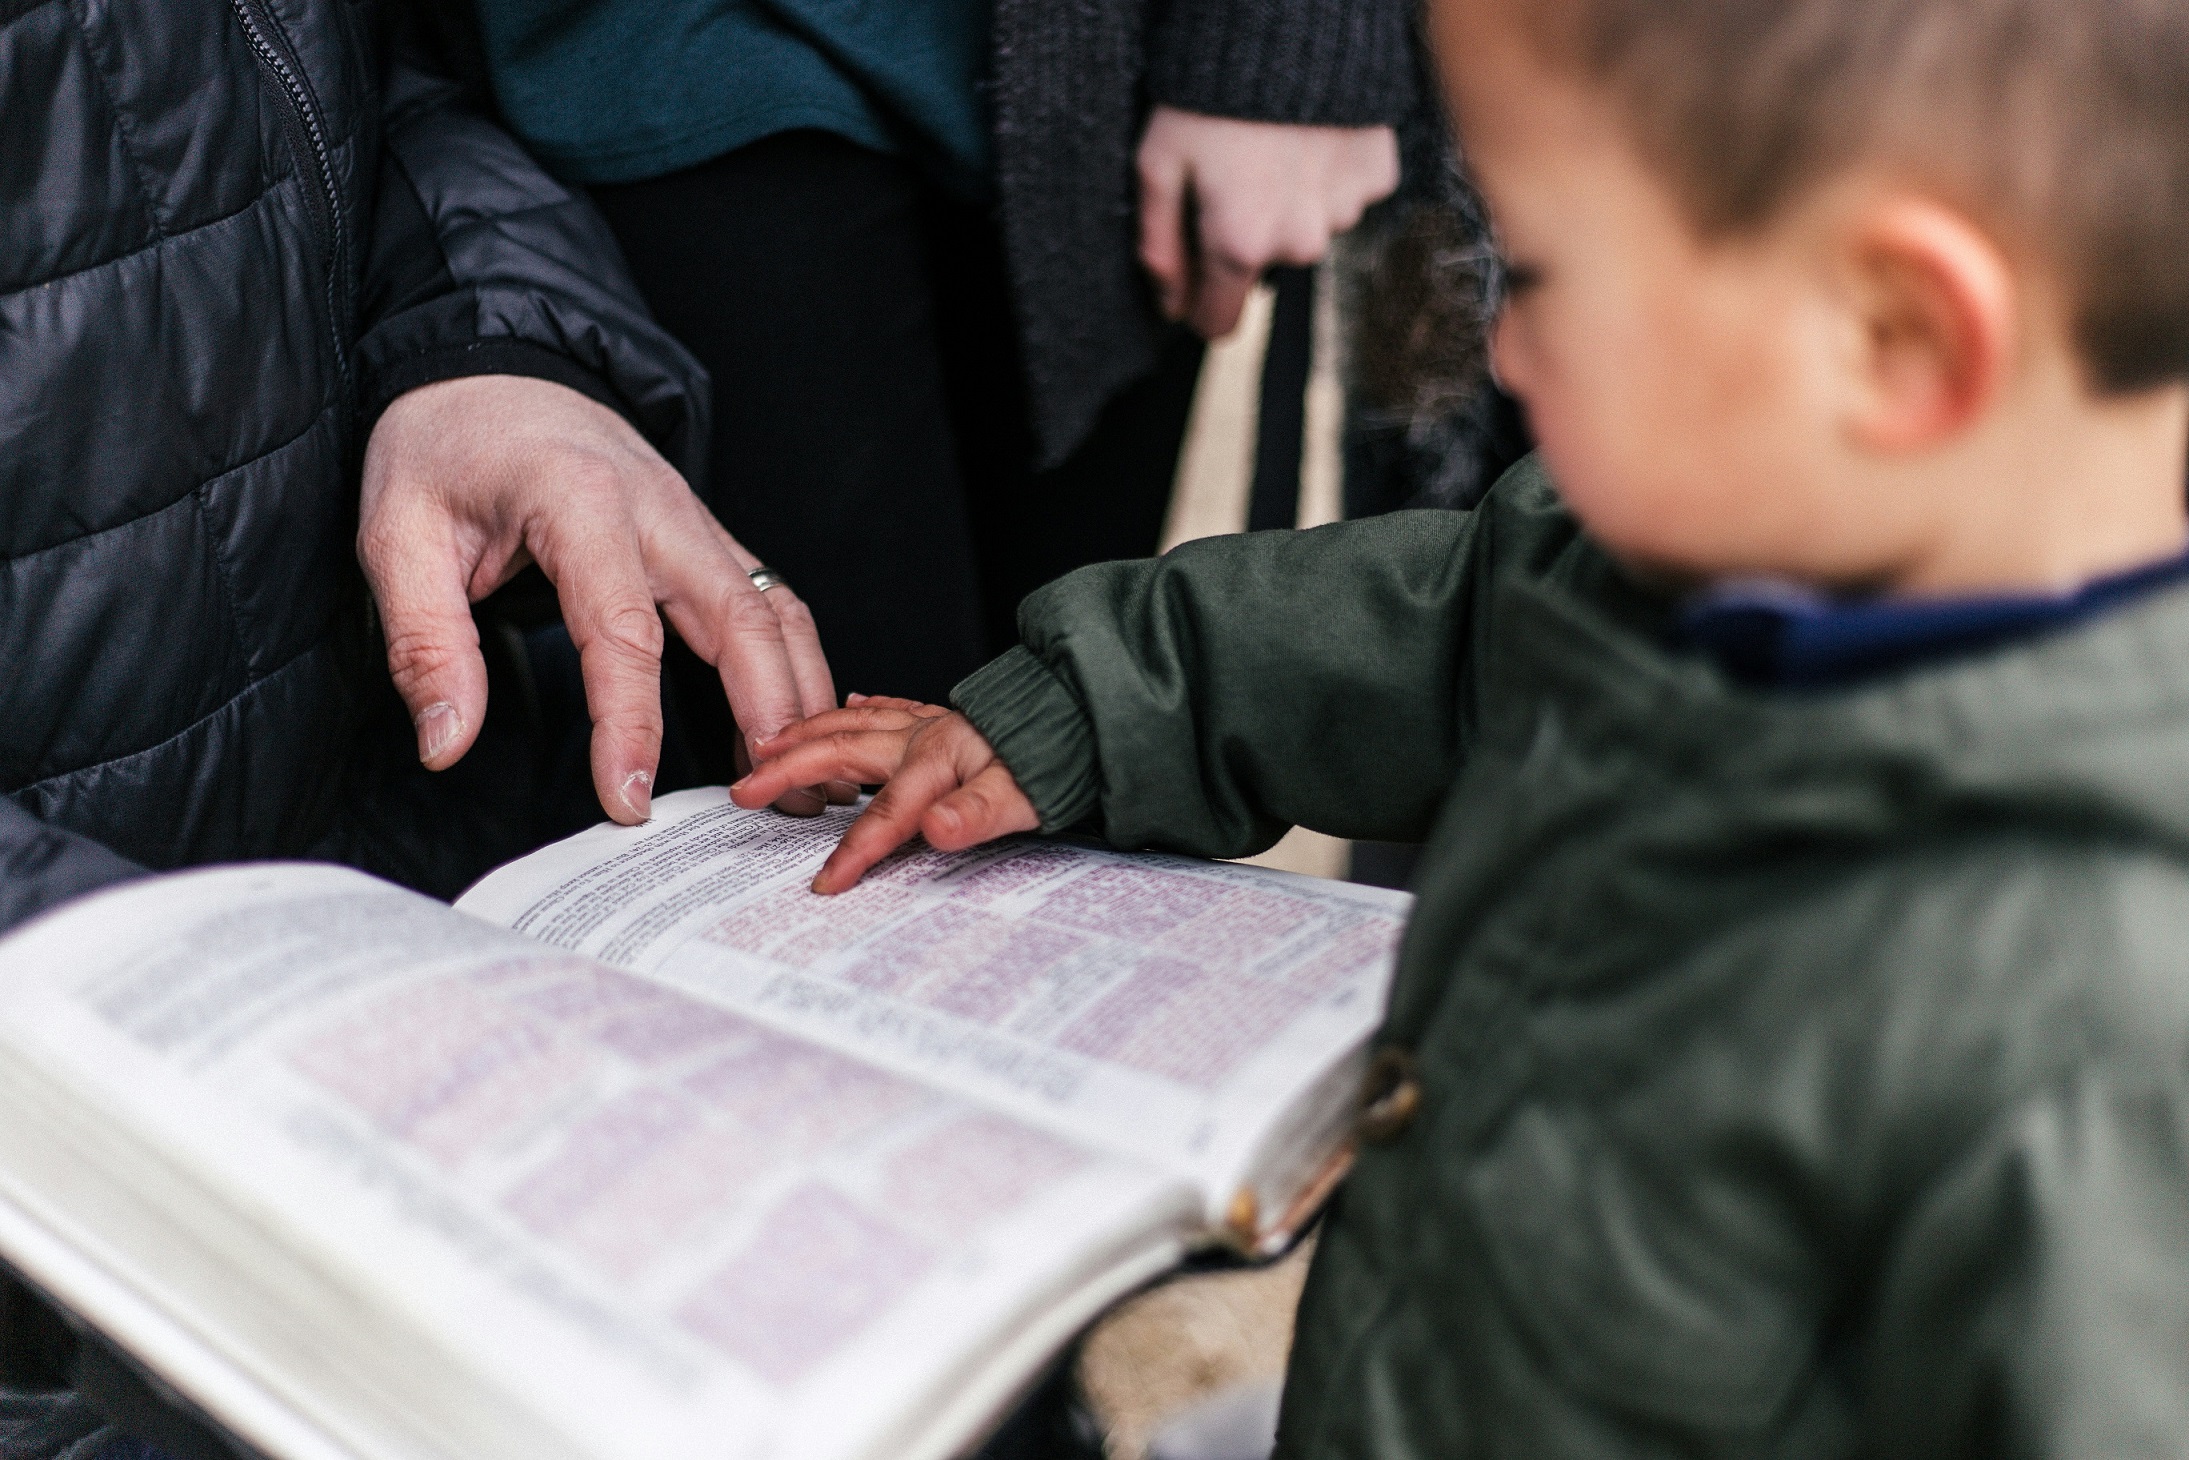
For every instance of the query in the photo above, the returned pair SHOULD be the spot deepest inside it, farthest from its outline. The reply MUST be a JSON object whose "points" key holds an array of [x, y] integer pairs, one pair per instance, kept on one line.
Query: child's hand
{"points": [[943, 780]]}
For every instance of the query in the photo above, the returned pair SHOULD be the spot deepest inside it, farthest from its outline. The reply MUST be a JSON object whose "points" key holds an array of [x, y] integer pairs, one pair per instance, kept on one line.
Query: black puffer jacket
{"points": [[230, 232]]}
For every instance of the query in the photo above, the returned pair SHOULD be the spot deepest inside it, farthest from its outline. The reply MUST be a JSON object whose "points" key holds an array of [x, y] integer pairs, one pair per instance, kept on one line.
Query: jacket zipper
{"points": [[308, 140]]}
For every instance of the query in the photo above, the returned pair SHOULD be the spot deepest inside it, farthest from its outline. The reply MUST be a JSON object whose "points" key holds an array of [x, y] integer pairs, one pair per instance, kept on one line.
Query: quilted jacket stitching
{"points": [[95, 58], [182, 496], [238, 704], [28, 10], [181, 238], [216, 530], [216, 537], [180, 501]]}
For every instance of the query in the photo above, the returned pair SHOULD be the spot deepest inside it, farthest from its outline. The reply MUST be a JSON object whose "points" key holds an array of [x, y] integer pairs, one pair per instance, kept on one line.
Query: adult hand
{"points": [[467, 481], [944, 781], [1221, 200]]}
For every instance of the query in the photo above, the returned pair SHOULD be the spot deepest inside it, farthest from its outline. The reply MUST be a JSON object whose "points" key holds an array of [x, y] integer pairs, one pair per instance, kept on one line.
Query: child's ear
{"points": [[1935, 307]]}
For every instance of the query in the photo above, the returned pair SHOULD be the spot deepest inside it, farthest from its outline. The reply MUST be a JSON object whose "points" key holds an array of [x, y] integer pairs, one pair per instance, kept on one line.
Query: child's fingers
{"points": [[856, 757], [876, 834], [837, 722], [986, 807], [890, 820], [894, 702], [798, 732]]}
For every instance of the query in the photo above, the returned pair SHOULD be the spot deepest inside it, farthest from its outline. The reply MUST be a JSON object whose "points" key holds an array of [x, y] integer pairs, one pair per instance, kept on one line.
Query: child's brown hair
{"points": [[2064, 123]]}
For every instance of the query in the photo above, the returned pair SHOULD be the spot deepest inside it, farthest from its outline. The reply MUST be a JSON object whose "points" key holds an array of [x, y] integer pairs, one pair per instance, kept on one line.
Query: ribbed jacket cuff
{"points": [[1040, 731], [1329, 63]]}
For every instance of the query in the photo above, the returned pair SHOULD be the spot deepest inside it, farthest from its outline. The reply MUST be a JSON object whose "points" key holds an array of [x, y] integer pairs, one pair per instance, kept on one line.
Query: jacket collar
{"points": [[2088, 724], [1772, 633], [1623, 804]]}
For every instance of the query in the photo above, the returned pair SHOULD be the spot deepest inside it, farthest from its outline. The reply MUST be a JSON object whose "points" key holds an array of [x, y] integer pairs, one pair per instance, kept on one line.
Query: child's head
{"points": [[1862, 292]]}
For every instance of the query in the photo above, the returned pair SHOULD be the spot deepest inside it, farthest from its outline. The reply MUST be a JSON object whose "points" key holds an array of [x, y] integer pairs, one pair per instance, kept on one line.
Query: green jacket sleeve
{"points": [[1207, 700]]}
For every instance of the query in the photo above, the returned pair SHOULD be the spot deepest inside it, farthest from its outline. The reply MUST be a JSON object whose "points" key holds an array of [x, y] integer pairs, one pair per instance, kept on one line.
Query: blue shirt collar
{"points": [[1772, 633]]}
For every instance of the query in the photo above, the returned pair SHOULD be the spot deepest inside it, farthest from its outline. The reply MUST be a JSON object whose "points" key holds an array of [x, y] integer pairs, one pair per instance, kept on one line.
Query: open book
{"points": [[645, 1150]]}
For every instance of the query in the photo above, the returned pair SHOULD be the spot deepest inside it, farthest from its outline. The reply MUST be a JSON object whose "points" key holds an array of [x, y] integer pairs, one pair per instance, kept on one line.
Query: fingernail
{"points": [[438, 727], [855, 699], [815, 885], [638, 794]]}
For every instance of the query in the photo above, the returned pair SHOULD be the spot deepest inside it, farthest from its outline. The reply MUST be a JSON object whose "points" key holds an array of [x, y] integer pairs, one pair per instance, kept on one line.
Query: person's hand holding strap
{"points": [[1222, 199], [467, 481], [944, 781]]}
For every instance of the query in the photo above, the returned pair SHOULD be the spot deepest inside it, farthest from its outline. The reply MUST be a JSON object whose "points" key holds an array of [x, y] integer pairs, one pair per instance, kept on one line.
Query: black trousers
{"points": [[870, 436]]}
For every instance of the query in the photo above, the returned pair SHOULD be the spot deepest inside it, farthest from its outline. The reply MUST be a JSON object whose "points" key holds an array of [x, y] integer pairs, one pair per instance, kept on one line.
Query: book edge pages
{"points": [[227, 1394], [1288, 1175], [1260, 1242], [969, 1402], [983, 1398]]}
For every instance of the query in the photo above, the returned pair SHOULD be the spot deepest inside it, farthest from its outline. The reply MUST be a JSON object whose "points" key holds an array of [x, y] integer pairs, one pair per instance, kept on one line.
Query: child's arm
{"points": [[1210, 699]]}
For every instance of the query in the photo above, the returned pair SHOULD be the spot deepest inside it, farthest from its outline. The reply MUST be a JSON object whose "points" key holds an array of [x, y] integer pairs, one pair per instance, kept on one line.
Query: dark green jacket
{"points": [[1802, 1075]]}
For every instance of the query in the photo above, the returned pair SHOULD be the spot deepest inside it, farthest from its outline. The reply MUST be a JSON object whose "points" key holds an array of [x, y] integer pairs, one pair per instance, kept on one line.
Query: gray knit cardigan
{"points": [[1073, 79]]}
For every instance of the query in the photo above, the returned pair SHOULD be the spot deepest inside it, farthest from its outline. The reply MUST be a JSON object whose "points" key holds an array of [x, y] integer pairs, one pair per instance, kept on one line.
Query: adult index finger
{"points": [[593, 559]]}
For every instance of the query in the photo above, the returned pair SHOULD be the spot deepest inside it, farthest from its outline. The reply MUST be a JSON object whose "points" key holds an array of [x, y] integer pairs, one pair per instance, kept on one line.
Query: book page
{"points": [[530, 1204], [1172, 1009]]}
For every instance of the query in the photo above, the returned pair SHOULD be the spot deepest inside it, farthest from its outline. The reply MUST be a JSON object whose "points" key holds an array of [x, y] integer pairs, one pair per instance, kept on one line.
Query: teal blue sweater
{"points": [[617, 90]]}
